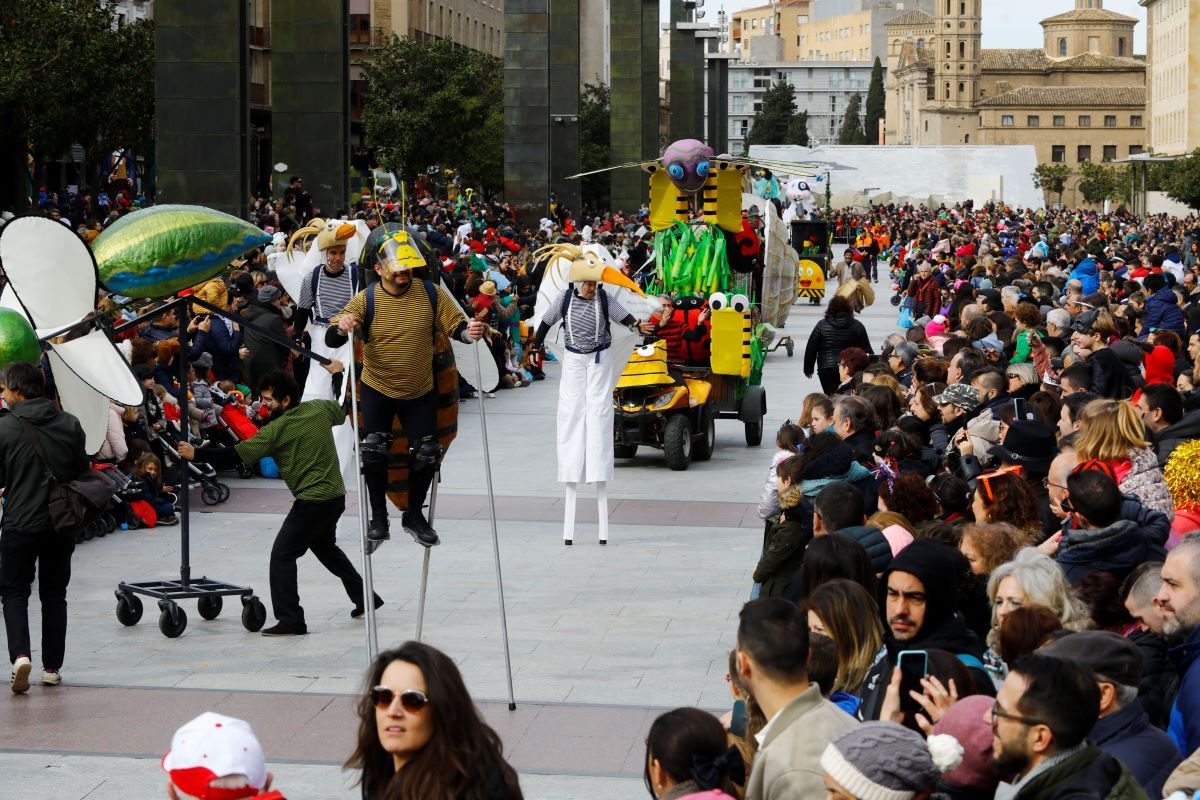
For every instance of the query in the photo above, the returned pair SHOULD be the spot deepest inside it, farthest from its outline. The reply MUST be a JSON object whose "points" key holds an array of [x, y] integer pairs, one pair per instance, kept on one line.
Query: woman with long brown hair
{"points": [[843, 611], [1003, 496], [420, 736]]}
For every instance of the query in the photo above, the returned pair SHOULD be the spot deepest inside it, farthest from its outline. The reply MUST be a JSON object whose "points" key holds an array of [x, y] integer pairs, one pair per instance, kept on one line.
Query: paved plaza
{"points": [[602, 639]]}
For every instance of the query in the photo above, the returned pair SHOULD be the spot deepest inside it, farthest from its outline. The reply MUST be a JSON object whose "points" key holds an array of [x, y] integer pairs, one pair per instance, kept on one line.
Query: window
{"points": [[1006, 121], [1110, 152], [1058, 153], [1110, 120], [1062, 48], [1083, 153], [962, 49], [1085, 120], [1134, 149], [1121, 46], [962, 87], [1060, 121], [1033, 121], [947, 91], [1135, 121]]}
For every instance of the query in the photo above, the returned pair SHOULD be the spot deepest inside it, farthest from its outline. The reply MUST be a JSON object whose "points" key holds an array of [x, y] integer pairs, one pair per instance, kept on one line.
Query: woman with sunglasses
{"points": [[1004, 496], [420, 736]]}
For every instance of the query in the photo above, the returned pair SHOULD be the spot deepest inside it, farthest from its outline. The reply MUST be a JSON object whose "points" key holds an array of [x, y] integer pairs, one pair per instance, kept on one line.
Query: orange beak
{"points": [[616, 278], [345, 232]]}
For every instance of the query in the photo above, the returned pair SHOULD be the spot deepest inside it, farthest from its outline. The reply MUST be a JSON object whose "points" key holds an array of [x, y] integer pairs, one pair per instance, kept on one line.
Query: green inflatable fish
{"points": [[162, 250]]}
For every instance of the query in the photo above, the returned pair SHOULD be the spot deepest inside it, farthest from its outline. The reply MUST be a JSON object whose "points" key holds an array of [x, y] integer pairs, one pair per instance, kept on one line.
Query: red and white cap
{"points": [[215, 746]]}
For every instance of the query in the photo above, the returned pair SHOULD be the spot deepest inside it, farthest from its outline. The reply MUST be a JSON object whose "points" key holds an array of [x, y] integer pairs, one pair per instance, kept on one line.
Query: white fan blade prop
{"points": [[95, 361], [82, 401], [51, 271], [464, 360]]}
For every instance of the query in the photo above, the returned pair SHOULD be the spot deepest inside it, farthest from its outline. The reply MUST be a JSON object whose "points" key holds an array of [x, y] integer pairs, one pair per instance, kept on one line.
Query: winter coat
{"points": [[22, 470], [1184, 727], [115, 448], [783, 547], [1166, 440], [1163, 313], [1087, 775], [927, 296], [832, 335], [1118, 548], [1145, 481], [1185, 778], [223, 345], [768, 499], [265, 355], [1088, 275], [1148, 752], [873, 541]]}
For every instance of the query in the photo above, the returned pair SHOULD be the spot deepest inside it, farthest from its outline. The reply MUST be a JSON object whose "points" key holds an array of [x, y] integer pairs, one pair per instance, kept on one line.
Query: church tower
{"points": [[956, 54]]}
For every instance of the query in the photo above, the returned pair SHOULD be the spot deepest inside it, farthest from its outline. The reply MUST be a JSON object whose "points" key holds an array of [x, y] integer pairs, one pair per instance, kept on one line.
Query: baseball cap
{"points": [[959, 394], [1103, 652], [214, 746]]}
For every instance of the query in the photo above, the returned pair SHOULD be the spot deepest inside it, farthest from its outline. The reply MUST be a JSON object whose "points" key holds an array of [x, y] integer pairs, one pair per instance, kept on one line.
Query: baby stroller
{"points": [[212, 491], [108, 521], [235, 426]]}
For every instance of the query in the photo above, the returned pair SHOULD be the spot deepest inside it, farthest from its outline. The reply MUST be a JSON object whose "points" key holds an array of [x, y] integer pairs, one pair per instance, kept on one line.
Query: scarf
{"points": [[1007, 791]]}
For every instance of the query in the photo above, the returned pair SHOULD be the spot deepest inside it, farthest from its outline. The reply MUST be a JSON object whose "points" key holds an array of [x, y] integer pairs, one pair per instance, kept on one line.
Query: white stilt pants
{"points": [[585, 417]]}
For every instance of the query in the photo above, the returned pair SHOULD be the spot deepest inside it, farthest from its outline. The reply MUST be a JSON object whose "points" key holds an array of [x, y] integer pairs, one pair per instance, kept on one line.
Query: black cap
{"points": [[1030, 444], [1103, 652], [1083, 322]]}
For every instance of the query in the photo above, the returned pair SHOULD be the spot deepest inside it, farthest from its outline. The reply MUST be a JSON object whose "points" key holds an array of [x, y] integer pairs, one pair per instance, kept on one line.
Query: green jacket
{"points": [[1087, 775], [783, 546]]}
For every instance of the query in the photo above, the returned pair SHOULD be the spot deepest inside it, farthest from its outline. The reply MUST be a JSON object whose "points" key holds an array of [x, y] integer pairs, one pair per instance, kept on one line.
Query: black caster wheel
{"points": [[210, 494], [224, 491], [254, 613], [244, 471], [209, 606], [791, 347], [172, 620], [129, 608]]}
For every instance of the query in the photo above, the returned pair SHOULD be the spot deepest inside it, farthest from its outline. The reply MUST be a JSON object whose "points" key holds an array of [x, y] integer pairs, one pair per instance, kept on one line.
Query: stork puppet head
{"points": [[587, 267]]}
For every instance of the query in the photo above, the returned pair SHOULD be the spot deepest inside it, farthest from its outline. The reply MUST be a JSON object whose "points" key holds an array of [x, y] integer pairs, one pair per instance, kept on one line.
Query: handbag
{"points": [[75, 504], [906, 318]]}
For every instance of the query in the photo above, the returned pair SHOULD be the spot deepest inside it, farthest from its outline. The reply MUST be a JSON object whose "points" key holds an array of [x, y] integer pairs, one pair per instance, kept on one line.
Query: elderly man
{"points": [[1058, 323], [1179, 600]]}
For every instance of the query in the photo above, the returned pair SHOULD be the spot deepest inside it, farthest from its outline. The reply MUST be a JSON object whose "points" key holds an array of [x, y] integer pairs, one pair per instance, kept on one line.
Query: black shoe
{"points": [[419, 529], [283, 629], [358, 610], [377, 531]]}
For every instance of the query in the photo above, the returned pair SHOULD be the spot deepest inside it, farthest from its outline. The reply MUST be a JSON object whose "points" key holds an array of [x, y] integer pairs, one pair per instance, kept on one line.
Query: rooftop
{"points": [[1090, 15], [917, 17], [1069, 96], [1014, 59]]}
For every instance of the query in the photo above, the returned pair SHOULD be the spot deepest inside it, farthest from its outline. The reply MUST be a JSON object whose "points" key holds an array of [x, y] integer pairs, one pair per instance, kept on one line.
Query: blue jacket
{"points": [[1148, 752], [1164, 313], [1088, 275], [223, 346], [1184, 727]]}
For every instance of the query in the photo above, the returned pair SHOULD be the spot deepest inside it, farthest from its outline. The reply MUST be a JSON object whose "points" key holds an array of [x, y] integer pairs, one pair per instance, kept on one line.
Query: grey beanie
{"points": [[885, 761]]}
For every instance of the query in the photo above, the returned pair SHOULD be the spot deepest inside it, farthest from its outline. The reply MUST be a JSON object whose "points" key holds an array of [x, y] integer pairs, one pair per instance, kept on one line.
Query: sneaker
{"points": [[377, 531], [358, 610], [168, 520], [283, 629], [419, 529], [51, 677], [20, 675]]}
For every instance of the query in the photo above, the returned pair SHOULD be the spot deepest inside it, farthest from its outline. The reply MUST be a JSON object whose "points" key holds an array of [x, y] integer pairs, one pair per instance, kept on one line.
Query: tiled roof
{"points": [[1097, 61], [917, 17], [1069, 96], [1011, 59], [1089, 15]]}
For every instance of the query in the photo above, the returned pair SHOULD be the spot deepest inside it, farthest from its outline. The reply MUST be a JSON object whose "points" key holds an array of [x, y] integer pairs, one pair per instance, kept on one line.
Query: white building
{"points": [[823, 88], [128, 11]]}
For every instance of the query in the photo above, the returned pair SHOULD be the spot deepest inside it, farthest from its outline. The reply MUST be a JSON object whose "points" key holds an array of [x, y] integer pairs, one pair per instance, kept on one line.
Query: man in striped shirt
{"points": [[300, 439], [323, 293], [397, 377]]}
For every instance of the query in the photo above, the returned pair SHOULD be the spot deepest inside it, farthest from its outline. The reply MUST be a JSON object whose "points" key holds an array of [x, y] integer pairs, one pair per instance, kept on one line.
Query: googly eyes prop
{"points": [[718, 301], [740, 303], [703, 168], [675, 171], [646, 350]]}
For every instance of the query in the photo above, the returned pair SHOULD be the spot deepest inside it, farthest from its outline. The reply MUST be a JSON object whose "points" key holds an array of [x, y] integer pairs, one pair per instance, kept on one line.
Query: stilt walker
{"points": [[595, 353]]}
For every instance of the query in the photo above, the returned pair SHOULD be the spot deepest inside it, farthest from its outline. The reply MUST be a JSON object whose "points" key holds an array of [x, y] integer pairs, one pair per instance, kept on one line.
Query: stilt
{"points": [[368, 577], [602, 509], [437, 478], [572, 490]]}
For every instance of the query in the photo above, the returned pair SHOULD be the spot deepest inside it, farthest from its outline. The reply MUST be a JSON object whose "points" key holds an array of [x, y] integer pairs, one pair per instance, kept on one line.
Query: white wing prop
{"points": [[52, 281], [487, 378]]}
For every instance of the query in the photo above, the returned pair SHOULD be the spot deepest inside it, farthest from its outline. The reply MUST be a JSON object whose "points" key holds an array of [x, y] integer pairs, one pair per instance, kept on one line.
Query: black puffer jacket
{"points": [[22, 471], [830, 337]]}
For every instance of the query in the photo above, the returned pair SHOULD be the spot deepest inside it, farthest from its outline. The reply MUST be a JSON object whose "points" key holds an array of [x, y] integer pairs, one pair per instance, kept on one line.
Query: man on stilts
{"points": [[590, 369], [324, 292], [399, 320], [299, 436]]}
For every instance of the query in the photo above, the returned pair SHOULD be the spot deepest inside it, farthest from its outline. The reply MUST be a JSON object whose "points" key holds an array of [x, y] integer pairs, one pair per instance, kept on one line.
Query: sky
{"points": [[1006, 23]]}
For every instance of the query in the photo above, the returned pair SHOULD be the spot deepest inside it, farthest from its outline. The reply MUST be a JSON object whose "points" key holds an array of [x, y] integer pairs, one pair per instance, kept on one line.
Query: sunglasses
{"points": [[411, 700], [986, 480]]}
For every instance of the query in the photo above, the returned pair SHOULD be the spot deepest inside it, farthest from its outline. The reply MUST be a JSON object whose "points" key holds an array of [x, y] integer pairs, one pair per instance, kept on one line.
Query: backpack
{"points": [[75, 504], [316, 275]]}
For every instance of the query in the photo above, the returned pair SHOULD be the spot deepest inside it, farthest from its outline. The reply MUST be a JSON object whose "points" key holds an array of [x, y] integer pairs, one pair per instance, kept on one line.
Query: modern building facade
{"points": [[822, 89], [1081, 97], [1173, 77]]}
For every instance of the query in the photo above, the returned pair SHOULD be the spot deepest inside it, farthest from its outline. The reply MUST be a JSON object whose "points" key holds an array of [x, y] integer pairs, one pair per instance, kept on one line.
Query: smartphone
{"points": [[913, 666], [1019, 409]]}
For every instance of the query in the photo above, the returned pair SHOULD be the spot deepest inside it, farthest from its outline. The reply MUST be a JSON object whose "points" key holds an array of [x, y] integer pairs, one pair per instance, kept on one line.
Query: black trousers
{"points": [[830, 379], [49, 554], [310, 525], [419, 418]]}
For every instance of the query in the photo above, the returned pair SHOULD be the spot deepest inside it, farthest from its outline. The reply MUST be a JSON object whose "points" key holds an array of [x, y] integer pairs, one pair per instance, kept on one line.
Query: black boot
{"points": [[419, 528], [377, 531]]}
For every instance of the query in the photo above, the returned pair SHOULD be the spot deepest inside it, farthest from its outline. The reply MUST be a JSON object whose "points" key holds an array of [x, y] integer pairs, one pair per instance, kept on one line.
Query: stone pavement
{"points": [[602, 639]]}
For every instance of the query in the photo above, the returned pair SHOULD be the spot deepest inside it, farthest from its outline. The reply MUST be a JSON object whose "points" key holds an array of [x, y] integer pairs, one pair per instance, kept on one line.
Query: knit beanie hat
{"points": [[965, 722], [885, 761]]}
